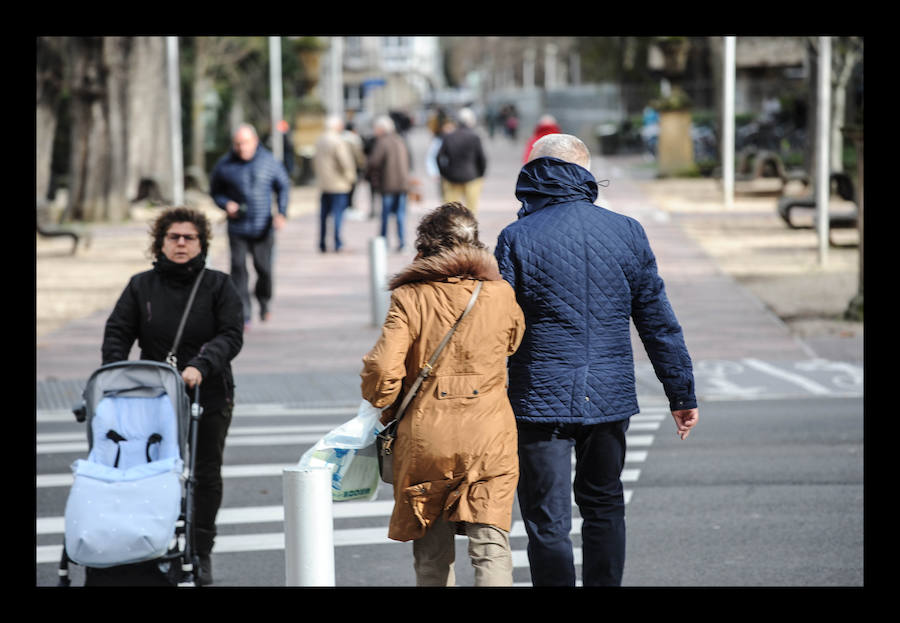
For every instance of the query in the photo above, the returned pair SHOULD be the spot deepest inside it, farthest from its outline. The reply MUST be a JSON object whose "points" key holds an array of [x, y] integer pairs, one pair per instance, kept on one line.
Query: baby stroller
{"points": [[129, 513]]}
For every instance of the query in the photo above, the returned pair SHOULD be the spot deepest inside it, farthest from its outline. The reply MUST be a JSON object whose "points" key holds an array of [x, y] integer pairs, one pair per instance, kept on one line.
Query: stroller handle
{"points": [[196, 409]]}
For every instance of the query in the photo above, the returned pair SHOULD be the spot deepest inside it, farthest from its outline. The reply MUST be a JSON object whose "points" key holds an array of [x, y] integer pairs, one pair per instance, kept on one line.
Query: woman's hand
{"points": [[191, 376]]}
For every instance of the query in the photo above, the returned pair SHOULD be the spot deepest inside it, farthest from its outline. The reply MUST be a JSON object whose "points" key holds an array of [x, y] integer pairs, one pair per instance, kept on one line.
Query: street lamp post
{"points": [[275, 89], [823, 160], [728, 123], [174, 85]]}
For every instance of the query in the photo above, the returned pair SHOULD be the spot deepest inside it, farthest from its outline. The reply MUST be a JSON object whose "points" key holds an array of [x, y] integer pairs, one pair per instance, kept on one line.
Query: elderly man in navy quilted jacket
{"points": [[581, 273], [242, 183]]}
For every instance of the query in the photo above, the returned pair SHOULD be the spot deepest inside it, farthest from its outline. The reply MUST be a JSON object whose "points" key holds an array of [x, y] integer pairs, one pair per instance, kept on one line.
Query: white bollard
{"points": [[378, 279], [308, 527]]}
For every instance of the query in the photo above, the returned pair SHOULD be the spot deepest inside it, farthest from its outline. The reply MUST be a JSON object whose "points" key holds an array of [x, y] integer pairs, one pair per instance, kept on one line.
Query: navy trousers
{"points": [[261, 251], [545, 499], [394, 203], [332, 205]]}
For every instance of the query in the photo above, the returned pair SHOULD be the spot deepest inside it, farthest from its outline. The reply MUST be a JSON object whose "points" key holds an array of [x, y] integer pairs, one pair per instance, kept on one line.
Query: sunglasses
{"points": [[187, 237]]}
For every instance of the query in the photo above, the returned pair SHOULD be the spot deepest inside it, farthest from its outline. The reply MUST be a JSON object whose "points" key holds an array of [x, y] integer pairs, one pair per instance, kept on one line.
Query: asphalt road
{"points": [[763, 493]]}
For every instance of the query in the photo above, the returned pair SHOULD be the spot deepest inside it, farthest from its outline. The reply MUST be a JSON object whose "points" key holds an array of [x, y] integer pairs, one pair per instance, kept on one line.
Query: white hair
{"points": [[466, 117], [334, 123], [563, 146], [385, 124], [245, 127]]}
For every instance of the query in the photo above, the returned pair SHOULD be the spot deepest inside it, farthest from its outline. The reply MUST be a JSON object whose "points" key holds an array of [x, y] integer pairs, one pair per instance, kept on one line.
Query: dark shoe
{"points": [[204, 571]]}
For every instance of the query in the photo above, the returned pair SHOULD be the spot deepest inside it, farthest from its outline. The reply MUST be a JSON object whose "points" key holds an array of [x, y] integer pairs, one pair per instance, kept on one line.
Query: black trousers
{"points": [[211, 436], [545, 498], [261, 252]]}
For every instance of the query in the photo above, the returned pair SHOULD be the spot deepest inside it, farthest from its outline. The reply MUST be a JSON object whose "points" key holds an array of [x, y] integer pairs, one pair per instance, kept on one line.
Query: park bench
{"points": [[841, 188], [761, 171], [52, 230]]}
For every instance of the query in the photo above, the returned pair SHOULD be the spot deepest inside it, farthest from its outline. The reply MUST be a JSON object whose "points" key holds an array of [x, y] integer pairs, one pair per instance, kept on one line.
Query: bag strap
{"points": [[427, 368], [170, 358]]}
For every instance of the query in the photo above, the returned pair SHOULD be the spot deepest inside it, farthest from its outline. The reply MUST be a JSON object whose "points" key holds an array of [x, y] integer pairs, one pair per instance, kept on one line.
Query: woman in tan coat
{"points": [[455, 458]]}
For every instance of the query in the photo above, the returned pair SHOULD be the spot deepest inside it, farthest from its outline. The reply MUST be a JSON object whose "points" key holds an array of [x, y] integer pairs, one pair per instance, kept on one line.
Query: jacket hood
{"points": [[548, 181], [465, 262]]}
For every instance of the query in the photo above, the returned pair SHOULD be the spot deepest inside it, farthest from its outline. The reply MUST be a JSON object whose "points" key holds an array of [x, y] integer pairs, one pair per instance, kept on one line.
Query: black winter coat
{"points": [[461, 157], [150, 308]]}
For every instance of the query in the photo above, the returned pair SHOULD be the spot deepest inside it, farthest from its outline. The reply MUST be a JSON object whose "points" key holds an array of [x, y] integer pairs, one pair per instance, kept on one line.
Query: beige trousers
{"points": [[489, 553], [467, 193]]}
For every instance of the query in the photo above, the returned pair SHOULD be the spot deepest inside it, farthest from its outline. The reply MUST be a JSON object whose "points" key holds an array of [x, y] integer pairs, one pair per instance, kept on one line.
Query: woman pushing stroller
{"points": [[150, 309]]}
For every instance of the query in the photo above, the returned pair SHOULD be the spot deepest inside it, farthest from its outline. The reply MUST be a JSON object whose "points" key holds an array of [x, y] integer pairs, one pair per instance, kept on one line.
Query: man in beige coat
{"points": [[335, 170], [455, 458]]}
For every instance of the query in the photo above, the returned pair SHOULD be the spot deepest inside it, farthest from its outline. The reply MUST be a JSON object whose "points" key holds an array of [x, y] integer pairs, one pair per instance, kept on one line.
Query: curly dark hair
{"points": [[160, 226], [447, 226]]}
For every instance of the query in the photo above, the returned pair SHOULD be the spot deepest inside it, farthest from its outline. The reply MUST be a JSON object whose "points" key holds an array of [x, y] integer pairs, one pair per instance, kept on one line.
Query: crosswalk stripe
{"points": [[48, 438], [62, 447], [256, 470], [240, 411], [228, 471], [231, 440]]}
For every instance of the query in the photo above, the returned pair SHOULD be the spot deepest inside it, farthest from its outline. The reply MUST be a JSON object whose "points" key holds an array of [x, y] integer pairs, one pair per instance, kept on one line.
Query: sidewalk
{"points": [[727, 276]]}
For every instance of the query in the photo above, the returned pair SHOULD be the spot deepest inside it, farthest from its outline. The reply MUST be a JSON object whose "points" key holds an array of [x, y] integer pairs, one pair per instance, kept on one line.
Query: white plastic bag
{"points": [[349, 451]]}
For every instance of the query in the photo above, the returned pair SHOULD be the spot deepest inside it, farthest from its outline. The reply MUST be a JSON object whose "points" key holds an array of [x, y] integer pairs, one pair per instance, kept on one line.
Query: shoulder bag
{"points": [[385, 439]]}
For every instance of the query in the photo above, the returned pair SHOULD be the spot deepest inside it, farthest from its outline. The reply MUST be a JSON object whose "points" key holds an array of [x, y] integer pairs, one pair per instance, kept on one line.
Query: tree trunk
{"points": [[845, 57], [99, 154], [149, 136], [199, 86], [116, 58], [88, 129], [50, 77], [120, 124]]}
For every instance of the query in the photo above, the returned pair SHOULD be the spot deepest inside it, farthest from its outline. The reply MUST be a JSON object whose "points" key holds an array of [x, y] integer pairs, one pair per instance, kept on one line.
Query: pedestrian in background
{"points": [[356, 148], [462, 162], [455, 465], [388, 172], [335, 169], [287, 147], [434, 146], [149, 310], [242, 183], [581, 273], [545, 125]]}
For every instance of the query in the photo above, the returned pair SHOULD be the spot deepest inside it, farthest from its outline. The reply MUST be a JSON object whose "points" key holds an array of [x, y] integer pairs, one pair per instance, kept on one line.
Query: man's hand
{"points": [[191, 376], [685, 420], [231, 208], [278, 221]]}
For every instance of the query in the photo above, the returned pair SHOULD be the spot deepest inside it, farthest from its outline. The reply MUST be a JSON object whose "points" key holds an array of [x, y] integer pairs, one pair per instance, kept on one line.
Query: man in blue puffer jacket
{"points": [[581, 273], [241, 184]]}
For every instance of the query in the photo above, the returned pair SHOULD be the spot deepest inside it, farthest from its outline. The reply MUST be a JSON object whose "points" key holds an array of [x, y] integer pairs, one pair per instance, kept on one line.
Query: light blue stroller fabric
{"points": [[122, 508]]}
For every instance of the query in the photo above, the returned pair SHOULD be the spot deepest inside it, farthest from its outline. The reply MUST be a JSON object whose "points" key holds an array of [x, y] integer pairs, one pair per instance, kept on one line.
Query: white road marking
{"points": [[801, 381]]}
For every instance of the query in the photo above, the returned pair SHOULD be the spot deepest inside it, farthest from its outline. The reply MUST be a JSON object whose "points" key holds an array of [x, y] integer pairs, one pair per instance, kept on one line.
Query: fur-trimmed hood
{"points": [[464, 261]]}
